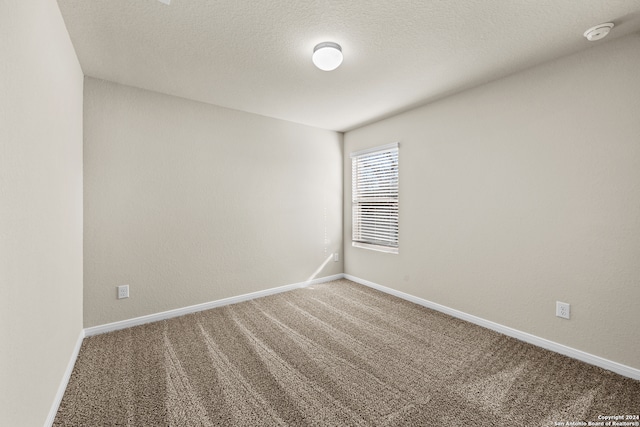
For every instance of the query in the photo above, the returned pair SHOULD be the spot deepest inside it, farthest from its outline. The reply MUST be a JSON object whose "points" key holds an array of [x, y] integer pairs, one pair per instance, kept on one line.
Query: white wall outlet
{"points": [[563, 310], [336, 257], [123, 291]]}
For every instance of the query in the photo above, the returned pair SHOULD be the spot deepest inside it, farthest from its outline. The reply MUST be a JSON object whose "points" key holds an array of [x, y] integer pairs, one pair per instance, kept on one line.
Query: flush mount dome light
{"points": [[327, 56]]}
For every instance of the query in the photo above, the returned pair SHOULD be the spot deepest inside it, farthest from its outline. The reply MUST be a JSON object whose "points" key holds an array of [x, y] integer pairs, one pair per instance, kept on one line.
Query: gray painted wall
{"points": [[40, 208], [190, 203], [519, 193]]}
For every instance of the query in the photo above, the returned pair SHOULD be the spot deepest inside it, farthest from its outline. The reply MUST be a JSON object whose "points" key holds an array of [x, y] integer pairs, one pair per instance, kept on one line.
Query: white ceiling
{"points": [[255, 55]]}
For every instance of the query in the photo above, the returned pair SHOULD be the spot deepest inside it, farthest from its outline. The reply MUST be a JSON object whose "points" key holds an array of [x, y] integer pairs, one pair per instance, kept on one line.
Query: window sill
{"points": [[378, 248]]}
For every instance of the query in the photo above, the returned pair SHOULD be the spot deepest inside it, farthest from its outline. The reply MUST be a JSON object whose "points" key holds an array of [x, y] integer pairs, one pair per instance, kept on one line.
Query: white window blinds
{"points": [[375, 198]]}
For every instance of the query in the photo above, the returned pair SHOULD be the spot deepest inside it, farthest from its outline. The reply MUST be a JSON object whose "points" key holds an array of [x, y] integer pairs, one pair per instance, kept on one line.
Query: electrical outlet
{"points": [[123, 291], [336, 257], [563, 310]]}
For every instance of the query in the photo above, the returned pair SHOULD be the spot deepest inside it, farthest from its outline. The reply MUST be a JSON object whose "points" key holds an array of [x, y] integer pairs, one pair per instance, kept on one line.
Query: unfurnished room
{"points": [[319, 213]]}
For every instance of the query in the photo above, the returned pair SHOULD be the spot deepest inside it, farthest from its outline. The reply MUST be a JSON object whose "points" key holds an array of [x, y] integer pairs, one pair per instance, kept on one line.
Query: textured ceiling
{"points": [[255, 55]]}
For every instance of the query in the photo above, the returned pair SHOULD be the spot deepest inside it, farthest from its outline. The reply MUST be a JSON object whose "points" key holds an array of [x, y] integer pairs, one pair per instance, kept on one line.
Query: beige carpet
{"points": [[331, 355]]}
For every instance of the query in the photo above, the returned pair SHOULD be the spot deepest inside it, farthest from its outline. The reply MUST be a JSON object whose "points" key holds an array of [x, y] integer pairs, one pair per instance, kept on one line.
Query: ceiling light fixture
{"points": [[598, 32], [327, 56]]}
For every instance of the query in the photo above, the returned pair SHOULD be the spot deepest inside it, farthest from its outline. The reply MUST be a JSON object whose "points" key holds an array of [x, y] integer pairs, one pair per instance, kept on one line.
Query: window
{"points": [[375, 198]]}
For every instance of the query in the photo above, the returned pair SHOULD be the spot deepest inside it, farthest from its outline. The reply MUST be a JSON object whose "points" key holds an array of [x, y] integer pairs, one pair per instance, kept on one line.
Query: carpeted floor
{"points": [[331, 355]]}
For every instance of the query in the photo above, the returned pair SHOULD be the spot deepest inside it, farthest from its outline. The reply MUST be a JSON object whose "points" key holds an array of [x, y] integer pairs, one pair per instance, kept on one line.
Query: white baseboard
{"points": [[65, 380], [109, 327], [591, 359]]}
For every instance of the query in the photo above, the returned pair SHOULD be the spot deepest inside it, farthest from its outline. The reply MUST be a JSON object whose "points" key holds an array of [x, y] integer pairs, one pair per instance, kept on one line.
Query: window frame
{"points": [[383, 192]]}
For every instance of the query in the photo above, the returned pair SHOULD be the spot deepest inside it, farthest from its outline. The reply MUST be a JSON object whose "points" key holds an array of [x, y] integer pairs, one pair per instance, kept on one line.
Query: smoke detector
{"points": [[598, 32]]}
